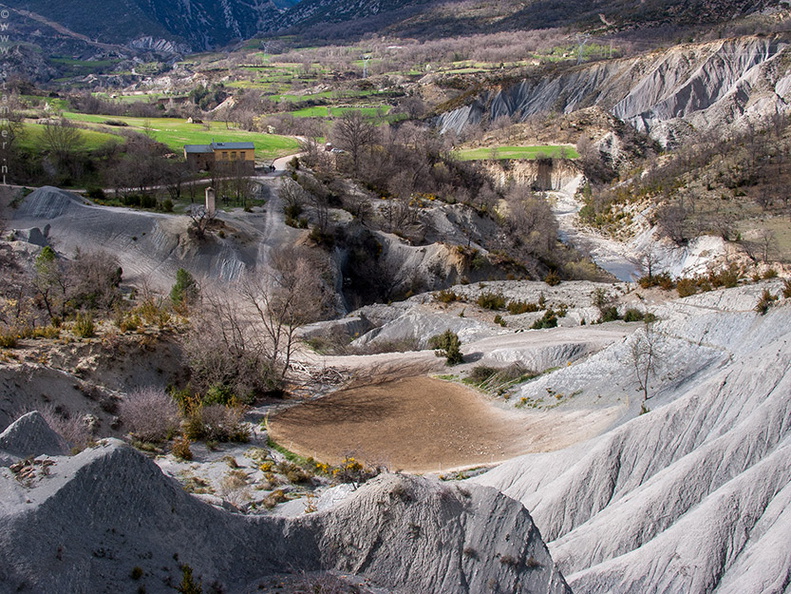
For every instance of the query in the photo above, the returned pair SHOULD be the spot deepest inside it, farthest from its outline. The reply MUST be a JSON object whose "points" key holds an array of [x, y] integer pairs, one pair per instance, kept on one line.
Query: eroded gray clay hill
{"points": [[108, 520]]}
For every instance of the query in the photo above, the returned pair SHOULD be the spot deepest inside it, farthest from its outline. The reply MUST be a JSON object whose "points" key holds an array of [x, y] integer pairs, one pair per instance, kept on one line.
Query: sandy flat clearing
{"points": [[422, 424]]}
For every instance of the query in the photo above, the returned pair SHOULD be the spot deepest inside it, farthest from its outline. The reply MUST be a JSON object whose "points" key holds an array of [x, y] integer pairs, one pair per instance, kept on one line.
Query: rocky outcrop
{"points": [[728, 82], [108, 520], [160, 46], [423, 536]]}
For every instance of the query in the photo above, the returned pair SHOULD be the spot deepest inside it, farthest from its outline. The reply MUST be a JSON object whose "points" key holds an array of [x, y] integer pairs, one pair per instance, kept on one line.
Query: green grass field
{"points": [[340, 94], [32, 138], [517, 152], [175, 133], [323, 111], [141, 98]]}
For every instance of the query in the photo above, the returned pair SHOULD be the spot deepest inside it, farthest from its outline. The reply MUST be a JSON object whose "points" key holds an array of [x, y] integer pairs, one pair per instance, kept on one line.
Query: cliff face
{"points": [[728, 82], [540, 174]]}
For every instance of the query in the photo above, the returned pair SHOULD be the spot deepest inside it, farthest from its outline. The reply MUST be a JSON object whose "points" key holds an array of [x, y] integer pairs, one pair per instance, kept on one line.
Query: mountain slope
{"points": [[366, 15], [437, 18], [199, 24]]}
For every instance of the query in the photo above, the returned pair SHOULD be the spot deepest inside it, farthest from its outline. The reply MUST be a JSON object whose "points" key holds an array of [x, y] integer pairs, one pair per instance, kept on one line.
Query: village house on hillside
{"points": [[218, 155]]}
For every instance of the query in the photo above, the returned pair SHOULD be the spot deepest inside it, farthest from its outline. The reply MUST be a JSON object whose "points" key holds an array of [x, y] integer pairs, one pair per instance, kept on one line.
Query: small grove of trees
{"points": [[410, 169], [88, 282], [531, 224], [405, 163], [696, 187], [38, 299]]}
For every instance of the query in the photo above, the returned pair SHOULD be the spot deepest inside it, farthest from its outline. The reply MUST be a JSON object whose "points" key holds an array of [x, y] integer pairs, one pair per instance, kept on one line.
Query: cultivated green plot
{"points": [[33, 140], [175, 133], [336, 94], [295, 98], [518, 152], [139, 98], [72, 67], [329, 111]]}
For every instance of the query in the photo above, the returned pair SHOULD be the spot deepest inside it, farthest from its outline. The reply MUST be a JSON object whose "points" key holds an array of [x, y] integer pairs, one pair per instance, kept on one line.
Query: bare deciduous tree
{"points": [[648, 260], [644, 358], [244, 336], [220, 349], [50, 282], [353, 132], [201, 219], [767, 241], [62, 138], [292, 295]]}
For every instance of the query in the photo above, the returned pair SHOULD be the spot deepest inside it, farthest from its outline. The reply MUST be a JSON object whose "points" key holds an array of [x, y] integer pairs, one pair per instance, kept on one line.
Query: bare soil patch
{"points": [[418, 424]]}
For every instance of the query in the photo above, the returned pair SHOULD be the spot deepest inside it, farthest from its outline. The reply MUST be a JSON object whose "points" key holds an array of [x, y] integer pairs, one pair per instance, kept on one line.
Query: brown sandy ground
{"points": [[423, 424]]}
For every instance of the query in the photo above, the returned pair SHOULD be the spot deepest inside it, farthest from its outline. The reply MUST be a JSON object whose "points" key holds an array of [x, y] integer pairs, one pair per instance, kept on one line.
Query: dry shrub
{"points": [[446, 296], [181, 448], [235, 479], [686, 287], [552, 278], [481, 373], [84, 326], [217, 423], [662, 280], [150, 414], [353, 472], [73, 428], [765, 302], [8, 339], [493, 301], [293, 472], [275, 497], [519, 307], [498, 379], [510, 561]]}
